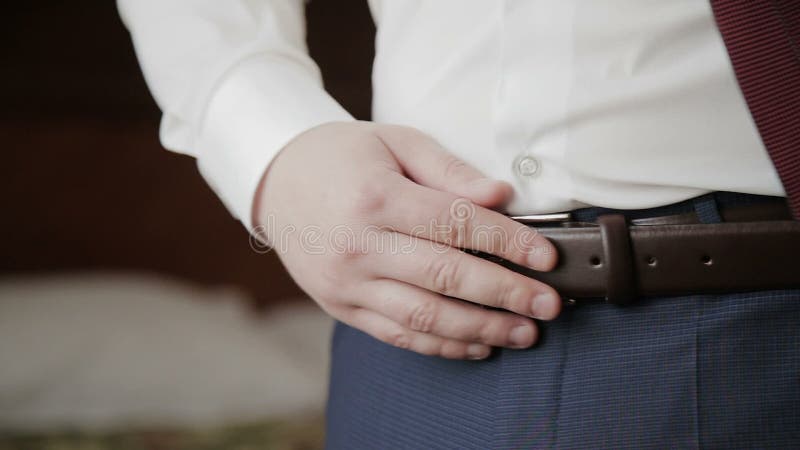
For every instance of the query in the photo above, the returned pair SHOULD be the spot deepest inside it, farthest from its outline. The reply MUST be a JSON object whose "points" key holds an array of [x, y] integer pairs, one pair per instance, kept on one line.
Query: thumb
{"points": [[426, 162]]}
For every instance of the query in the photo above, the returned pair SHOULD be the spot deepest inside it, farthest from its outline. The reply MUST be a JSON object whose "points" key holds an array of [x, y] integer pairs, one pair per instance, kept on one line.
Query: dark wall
{"points": [[85, 183]]}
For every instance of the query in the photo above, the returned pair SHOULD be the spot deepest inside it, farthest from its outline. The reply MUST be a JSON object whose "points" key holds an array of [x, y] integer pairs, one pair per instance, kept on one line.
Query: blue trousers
{"points": [[694, 371]]}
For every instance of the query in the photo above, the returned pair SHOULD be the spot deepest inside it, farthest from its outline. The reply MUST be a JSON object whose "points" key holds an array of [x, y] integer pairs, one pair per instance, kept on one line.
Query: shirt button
{"points": [[528, 166]]}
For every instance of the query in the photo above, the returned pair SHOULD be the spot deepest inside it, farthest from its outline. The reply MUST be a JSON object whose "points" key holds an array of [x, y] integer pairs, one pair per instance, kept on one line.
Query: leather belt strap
{"points": [[617, 261]]}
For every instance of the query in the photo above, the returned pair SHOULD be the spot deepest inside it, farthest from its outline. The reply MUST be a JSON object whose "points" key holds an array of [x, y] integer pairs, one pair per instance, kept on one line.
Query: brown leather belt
{"points": [[619, 259]]}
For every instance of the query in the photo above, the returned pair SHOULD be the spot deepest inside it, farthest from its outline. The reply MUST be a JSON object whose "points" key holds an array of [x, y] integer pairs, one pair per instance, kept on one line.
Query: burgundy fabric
{"points": [[763, 41]]}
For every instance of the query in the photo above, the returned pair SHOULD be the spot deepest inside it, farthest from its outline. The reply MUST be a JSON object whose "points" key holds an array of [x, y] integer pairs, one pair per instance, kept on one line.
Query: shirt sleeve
{"points": [[234, 82]]}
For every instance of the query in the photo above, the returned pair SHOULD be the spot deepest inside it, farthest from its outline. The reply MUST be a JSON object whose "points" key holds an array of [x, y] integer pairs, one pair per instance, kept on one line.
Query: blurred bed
{"points": [[133, 361]]}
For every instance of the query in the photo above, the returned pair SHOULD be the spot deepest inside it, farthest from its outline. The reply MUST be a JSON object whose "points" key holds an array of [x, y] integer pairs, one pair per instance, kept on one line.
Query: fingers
{"points": [[428, 163], [445, 218], [445, 200], [392, 333], [423, 311], [453, 273]]}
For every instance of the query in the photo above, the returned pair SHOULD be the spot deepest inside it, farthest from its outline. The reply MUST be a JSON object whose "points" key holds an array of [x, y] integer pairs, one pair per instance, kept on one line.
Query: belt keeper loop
{"points": [[618, 259]]}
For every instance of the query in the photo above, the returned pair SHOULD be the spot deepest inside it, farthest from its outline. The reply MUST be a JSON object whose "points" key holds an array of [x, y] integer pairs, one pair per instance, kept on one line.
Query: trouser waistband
{"points": [[707, 207]]}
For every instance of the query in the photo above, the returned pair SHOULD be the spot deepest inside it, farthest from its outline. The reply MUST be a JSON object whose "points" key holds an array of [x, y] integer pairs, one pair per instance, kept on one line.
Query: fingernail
{"points": [[541, 257], [477, 351], [521, 336], [541, 303]]}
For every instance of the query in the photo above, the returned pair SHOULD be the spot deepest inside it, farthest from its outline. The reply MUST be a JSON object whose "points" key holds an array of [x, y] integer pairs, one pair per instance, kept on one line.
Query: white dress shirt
{"points": [[615, 103]]}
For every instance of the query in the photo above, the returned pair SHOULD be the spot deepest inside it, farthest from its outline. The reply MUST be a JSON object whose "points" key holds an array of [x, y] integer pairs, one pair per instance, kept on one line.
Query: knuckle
{"points": [[486, 328], [422, 317], [435, 349], [444, 273], [485, 333], [431, 347], [452, 166], [453, 350], [349, 245], [399, 339], [370, 196], [347, 254], [462, 224], [452, 230], [509, 295]]}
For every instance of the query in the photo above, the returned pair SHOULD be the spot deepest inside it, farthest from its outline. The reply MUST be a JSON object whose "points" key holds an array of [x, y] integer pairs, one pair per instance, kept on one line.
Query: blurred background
{"points": [[133, 312]]}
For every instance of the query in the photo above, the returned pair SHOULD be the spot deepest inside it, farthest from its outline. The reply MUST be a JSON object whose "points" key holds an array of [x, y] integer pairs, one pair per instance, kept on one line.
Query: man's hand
{"points": [[369, 219]]}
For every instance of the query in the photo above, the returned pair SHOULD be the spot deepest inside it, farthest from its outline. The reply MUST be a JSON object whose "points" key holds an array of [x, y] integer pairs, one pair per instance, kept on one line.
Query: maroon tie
{"points": [[763, 41]]}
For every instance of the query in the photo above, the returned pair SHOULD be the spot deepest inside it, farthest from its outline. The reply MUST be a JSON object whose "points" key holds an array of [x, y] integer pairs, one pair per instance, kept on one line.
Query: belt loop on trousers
{"points": [[618, 259], [707, 209]]}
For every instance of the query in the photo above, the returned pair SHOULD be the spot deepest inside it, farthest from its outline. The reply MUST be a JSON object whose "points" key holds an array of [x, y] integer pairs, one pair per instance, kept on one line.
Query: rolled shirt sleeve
{"points": [[234, 82]]}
